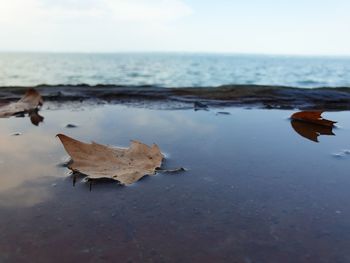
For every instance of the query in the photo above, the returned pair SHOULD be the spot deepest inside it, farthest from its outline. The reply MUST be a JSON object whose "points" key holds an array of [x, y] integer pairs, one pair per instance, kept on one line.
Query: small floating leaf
{"points": [[312, 117], [30, 101], [98, 161]]}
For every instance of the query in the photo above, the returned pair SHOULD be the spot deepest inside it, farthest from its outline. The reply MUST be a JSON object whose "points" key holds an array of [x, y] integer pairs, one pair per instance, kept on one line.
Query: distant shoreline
{"points": [[258, 96], [190, 53]]}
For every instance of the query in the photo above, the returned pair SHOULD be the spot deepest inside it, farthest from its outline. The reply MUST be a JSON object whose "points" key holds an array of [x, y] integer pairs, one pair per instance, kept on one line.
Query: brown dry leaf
{"points": [[30, 101], [124, 165], [312, 117]]}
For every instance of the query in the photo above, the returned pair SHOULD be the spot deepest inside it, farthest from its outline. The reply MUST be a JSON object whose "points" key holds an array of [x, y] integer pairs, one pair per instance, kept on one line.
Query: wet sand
{"points": [[257, 189]]}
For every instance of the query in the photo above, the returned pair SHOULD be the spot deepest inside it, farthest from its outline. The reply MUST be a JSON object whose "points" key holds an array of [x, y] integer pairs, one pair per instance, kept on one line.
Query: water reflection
{"points": [[34, 116], [24, 159], [240, 188], [311, 131], [33, 157], [27, 193]]}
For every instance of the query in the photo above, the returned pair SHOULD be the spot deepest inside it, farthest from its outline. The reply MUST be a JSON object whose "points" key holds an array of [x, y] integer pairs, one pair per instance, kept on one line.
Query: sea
{"points": [[172, 69]]}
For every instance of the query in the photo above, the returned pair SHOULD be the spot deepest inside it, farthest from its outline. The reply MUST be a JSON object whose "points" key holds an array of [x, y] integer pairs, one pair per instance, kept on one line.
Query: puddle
{"points": [[256, 189]]}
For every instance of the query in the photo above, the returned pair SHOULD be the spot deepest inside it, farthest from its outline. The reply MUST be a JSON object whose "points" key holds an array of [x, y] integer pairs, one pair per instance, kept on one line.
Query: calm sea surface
{"points": [[172, 70]]}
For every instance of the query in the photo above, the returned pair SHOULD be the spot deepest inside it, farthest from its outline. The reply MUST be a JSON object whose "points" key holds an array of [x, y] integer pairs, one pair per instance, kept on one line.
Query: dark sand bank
{"points": [[256, 189], [270, 97]]}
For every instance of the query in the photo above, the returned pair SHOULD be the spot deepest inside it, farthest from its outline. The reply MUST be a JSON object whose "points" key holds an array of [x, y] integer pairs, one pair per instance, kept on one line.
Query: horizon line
{"points": [[176, 52]]}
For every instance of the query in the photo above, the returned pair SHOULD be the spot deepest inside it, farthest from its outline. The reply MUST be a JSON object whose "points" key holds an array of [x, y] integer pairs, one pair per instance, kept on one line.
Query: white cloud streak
{"points": [[19, 11]]}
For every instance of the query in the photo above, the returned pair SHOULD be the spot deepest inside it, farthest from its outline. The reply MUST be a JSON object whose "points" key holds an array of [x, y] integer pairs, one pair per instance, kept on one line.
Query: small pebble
{"points": [[223, 113], [16, 134], [200, 105], [71, 125]]}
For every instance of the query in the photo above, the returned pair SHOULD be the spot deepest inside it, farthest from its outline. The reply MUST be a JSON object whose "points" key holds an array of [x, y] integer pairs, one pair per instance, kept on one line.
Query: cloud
{"points": [[15, 11], [87, 25], [294, 27], [148, 10], [18, 11]]}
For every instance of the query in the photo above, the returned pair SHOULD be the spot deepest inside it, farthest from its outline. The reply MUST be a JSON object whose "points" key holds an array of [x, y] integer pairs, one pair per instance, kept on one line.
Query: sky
{"points": [[301, 27]]}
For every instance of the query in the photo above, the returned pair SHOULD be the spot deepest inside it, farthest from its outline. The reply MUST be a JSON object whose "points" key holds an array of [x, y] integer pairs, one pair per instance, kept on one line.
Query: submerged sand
{"points": [[255, 189]]}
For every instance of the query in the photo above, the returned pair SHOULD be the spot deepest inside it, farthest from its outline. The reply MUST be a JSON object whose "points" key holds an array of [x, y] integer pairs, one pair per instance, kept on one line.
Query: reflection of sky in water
{"points": [[250, 178], [245, 142], [35, 154]]}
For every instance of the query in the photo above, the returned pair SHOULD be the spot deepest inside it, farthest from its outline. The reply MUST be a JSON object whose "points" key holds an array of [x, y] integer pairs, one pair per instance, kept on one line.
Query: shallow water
{"points": [[255, 190], [172, 69]]}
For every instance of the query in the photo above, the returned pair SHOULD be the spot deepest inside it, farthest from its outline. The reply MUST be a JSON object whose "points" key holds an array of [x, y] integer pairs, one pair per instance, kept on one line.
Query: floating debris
{"points": [[223, 113], [98, 161], [30, 101], [176, 170], [313, 117], [199, 106]]}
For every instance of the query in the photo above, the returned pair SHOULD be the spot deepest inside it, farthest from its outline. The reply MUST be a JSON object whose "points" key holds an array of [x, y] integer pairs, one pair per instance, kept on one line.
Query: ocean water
{"points": [[172, 69]]}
